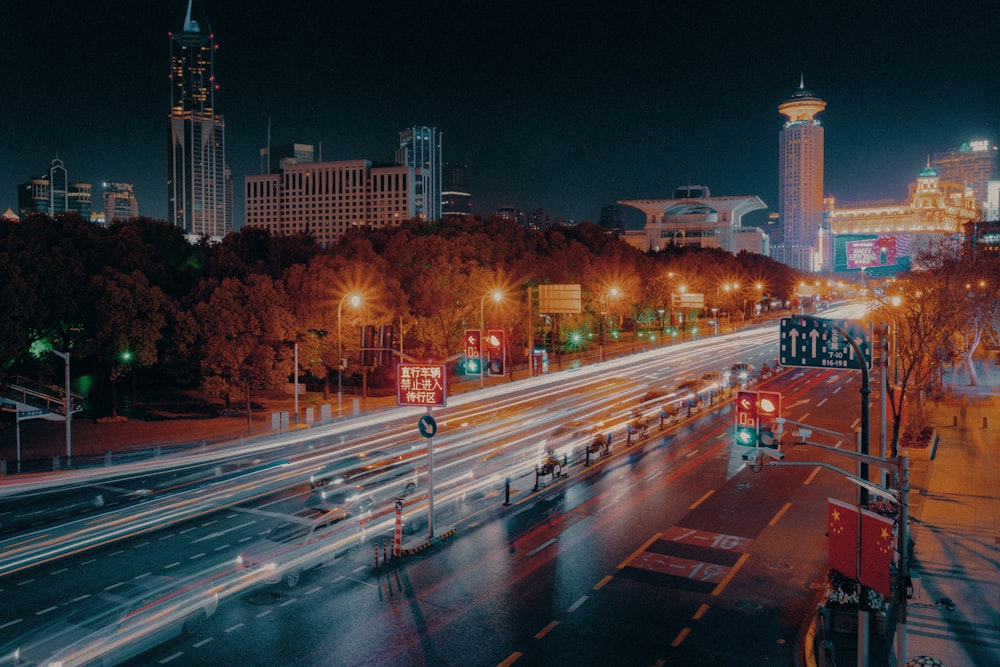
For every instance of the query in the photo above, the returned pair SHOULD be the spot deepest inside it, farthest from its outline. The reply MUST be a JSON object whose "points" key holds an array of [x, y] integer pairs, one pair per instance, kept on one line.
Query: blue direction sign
{"points": [[427, 426], [818, 343]]}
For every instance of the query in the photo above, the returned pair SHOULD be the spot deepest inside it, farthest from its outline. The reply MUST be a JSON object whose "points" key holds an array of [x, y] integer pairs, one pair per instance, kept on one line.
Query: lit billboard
{"points": [[884, 254]]}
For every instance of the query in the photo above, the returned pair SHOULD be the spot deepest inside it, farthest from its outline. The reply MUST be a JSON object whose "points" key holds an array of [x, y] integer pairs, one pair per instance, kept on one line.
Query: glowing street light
{"points": [[497, 296], [355, 302]]}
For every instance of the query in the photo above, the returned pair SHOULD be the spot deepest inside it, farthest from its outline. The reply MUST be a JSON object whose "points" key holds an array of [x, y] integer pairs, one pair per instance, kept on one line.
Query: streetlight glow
{"points": [[355, 300]]}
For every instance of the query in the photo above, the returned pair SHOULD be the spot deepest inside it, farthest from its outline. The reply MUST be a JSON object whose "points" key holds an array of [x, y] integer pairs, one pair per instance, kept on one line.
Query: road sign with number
{"points": [[818, 343], [421, 384]]}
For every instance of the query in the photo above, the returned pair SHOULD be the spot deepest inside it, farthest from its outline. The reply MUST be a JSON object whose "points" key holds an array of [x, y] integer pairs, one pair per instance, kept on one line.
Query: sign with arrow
{"points": [[818, 343]]}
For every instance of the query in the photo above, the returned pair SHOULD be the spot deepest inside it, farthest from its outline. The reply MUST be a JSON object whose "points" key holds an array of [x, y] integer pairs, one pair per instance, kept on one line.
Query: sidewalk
{"points": [[955, 531], [955, 527]]}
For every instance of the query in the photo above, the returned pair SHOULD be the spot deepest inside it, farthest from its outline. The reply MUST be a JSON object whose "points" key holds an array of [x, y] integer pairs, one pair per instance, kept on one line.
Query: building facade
{"points": [[325, 199], [119, 202], [53, 194], [199, 185], [973, 165], [455, 197], [693, 217], [800, 180], [420, 148]]}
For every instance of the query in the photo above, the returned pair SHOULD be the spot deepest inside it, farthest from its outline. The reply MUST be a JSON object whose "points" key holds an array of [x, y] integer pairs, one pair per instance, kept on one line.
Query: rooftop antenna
{"points": [[802, 81], [268, 144], [321, 150]]}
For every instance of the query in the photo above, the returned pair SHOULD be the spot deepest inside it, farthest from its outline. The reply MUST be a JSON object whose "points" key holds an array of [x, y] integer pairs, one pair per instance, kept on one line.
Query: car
{"points": [[717, 380], [743, 374], [693, 392], [307, 539], [120, 622], [387, 478]]}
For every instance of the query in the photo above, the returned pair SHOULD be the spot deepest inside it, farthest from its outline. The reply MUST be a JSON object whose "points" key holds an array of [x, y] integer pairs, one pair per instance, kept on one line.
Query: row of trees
{"points": [[137, 297]]}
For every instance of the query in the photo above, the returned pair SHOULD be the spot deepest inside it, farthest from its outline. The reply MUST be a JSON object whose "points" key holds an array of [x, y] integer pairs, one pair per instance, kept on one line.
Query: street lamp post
{"points": [[67, 407], [497, 296], [355, 302], [612, 293]]}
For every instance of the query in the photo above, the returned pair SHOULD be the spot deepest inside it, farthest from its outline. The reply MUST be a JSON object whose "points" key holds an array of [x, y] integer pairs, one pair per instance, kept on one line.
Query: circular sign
{"points": [[427, 426]]}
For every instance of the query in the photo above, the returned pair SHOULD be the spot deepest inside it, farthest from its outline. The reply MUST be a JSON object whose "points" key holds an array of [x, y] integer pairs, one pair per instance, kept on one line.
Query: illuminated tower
{"points": [[199, 194], [800, 178]]}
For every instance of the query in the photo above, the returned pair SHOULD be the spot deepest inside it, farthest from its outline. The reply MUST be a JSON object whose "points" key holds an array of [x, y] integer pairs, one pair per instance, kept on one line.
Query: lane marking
{"points": [[600, 584], [10, 623], [263, 613], [171, 658], [732, 573], [777, 517], [812, 475], [511, 659], [701, 500], [546, 630], [45, 611], [702, 610], [232, 628], [681, 636], [542, 546], [638, 551], [576, 605], [204, 641], [174, 564]]}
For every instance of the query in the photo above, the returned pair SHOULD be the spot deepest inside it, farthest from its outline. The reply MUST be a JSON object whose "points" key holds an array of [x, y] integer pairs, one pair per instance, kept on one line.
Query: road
{"points": [[650, 554]]}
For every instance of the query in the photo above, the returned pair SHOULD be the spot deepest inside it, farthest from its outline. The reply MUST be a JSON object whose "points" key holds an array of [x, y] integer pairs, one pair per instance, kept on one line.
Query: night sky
{"points": [[564, 106]]}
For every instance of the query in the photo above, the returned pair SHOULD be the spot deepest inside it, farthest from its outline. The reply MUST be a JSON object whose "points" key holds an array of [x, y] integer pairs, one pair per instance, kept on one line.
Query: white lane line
{"points": [[576, 605], [171, 658], [174, 564], [197, 556], [233, 628], [264, 613], [542, 546], [45, 611], [10, 623], [88, 562], [315, 589], [288, 602], [220, 533], [203, 642], [25, 583], [65, 569]]}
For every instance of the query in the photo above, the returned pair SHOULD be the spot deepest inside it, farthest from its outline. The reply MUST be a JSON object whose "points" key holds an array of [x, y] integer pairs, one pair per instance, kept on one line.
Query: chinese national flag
{"points": [[876, 551], [842, 534]]}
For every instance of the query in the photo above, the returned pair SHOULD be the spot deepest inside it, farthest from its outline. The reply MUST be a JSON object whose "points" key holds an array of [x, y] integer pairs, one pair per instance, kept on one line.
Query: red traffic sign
{"points": [[421, 384]]}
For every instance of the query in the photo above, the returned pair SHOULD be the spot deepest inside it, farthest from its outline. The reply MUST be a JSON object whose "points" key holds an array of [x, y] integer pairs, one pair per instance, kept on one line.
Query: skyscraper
{"points": [[800, 179], [455, 196], [973, 164], [119, 202], [199, 191], [53, 194], [420, 148]]}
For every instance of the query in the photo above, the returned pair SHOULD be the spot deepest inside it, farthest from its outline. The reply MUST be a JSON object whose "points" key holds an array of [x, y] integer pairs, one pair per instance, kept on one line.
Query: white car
{"points": [[309, 538], [119, 623]]}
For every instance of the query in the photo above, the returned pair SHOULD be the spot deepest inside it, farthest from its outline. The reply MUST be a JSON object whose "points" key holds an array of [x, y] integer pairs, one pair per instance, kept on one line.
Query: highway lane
{"points": [[569, 575], [608, 393]]}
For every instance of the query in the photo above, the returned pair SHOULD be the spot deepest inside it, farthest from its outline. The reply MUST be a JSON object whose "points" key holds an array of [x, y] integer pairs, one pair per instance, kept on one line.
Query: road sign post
{"points": [[820, 343]]}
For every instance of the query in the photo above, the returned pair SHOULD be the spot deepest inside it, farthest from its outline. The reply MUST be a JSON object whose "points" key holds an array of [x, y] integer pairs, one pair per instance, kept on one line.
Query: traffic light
{"points": [[386, 344], [746, 418], [368, 345], [473, 351], [495, 351], [768, 409]]}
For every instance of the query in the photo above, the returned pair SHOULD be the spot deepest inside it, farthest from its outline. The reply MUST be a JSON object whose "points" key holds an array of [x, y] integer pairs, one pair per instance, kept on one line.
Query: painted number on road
{"points": [[680, 567], [706, 539]]}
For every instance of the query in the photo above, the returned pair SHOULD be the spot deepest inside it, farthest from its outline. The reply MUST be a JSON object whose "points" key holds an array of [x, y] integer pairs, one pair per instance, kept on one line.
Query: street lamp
{"points": [[68, 407], [355, 302], [612, 293], [497, 296]]}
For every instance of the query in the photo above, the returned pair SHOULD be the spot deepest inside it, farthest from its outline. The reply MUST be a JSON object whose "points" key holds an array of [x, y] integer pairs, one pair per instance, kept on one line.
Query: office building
{"points": [[274, 158], [53, 194], [119, 202], [325, 199], [199, 185], [800, 181], [973, 165], [420, 148], [455, 197]]}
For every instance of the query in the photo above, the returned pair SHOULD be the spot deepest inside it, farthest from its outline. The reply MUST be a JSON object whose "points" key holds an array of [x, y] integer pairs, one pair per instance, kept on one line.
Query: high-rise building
{"points": [[53, 194], [420, 148], [455, 197], [199, 193], [325, 199], [119, 202], [973, 165], [800, 179], [274, 158]]}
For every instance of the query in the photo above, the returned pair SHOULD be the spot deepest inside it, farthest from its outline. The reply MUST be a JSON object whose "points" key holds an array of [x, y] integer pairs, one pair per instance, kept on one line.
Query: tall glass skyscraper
{"points": [[420, 148], [199, 190], [800, 174]]}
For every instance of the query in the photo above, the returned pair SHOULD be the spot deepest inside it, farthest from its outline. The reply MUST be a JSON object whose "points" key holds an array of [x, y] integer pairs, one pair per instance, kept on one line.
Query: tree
{"points": [[244, 329], [124, 325]]}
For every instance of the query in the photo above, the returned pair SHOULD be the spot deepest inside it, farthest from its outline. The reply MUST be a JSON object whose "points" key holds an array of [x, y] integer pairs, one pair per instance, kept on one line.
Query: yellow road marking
{"points": [[639, 550], [777, 517], [732, 573], [702, 610], [701, 500], [681, 636], [546, 630], [600, 584]]}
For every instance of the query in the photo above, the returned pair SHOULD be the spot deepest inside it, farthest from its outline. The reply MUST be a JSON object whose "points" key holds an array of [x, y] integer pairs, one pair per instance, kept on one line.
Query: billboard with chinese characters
{"points": [[425, 385]]}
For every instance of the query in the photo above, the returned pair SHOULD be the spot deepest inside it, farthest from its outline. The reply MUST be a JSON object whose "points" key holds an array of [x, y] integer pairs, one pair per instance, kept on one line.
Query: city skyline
{"points": [[566, 112]]}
